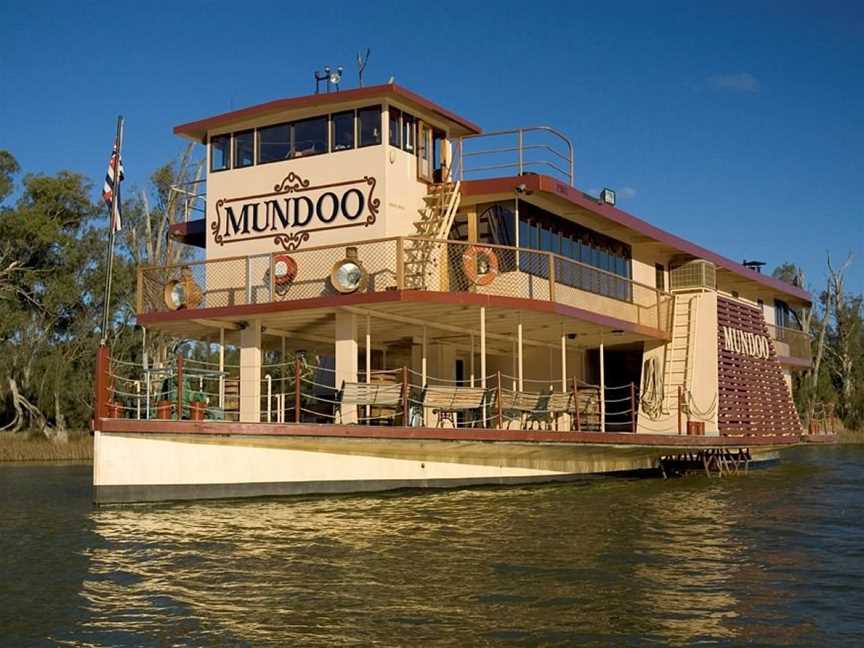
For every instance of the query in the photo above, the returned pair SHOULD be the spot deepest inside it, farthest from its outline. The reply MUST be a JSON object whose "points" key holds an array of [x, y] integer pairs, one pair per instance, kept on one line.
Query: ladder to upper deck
{"points": [[678, 371], [422, 254]]}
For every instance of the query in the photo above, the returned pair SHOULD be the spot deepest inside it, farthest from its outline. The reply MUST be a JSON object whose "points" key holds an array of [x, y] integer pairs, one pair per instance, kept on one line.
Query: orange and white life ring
{"points": [[480, 264], [284, 269]]}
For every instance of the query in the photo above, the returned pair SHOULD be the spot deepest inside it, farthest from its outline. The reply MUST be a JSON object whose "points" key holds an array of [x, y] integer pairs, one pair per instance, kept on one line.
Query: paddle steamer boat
{"points": [[375, 294]]}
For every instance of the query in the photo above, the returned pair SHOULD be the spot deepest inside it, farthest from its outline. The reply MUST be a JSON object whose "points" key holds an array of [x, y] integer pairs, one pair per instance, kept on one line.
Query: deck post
{"points": [[297, 411], [576, 421], [483, 355], [250, 372], [368, 361], [102, 383], [221, 368], [500, 404], [551, 258], [519, 356], [179, 387], [406, 388], [483, 346], [632, 408], [346, 357], [602, 386], [563, 359], [471, 362], [400, 263], [424, 350]]}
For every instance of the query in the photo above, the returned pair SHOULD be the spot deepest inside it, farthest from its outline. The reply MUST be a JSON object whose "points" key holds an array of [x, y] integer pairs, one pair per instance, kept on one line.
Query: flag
{"points": [[109, 186]]}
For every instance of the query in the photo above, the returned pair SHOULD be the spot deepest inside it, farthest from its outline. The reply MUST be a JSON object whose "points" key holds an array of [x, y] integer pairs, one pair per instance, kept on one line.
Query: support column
{"points": [[250, 373], [368, 359], [483, 346], [602, 386], [222, 369], [519, 373], [346, 358], [471, 363], [563, 359]]}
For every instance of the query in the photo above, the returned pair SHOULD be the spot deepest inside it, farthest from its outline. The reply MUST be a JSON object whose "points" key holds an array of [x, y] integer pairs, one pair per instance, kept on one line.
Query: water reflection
{"points": [[609, 562]]}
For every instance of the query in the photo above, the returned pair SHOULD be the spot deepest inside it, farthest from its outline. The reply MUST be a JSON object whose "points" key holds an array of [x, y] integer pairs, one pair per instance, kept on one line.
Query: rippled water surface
{"points": [[775, 558]]}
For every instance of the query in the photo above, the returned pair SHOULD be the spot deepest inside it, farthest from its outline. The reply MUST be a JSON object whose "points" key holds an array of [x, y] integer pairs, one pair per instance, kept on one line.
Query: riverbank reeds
{"points": [[19, 447]]}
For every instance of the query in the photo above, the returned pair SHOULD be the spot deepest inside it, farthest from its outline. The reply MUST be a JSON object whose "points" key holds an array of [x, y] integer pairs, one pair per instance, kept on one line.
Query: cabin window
{"points": [[395, 124], [220, 152], [369, 120], [659, 276], [310, 137], [409, 133], [785, 316], [343, 131], [244, 149], [274, 143]]}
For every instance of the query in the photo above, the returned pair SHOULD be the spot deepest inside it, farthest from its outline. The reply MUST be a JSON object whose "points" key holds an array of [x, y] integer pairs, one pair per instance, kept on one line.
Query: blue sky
{"points": [[739, 126]]}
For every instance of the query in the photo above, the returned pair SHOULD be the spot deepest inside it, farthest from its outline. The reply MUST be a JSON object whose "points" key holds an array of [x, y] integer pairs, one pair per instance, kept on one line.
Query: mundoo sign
{"points": [[748, 344], [294, 210]]}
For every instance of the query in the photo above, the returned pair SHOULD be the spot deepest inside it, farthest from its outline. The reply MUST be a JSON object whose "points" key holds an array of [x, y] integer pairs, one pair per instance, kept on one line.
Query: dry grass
{"points": [[18, 447], [851, 436]]}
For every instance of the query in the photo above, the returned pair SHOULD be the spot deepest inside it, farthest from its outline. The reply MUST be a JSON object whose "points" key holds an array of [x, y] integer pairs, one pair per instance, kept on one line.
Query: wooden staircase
{"points": [[678, 371], [436, 219]]}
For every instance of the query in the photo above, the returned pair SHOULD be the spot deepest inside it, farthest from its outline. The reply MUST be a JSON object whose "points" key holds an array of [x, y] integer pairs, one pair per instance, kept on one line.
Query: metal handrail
{"points": [[191, 197], [520, 148]]}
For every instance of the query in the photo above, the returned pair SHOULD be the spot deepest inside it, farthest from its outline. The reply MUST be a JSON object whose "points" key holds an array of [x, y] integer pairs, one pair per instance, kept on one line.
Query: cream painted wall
{"points": [[394, 170]]}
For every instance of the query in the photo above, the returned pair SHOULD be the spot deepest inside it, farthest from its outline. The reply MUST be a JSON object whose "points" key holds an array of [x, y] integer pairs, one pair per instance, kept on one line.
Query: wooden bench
{"points": [[381, 396], [529, 407], [589, 407], [446, 402]]}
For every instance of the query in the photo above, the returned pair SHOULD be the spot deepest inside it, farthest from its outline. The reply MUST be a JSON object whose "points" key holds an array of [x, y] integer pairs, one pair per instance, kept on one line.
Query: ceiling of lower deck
{"points": [[394, 323]]}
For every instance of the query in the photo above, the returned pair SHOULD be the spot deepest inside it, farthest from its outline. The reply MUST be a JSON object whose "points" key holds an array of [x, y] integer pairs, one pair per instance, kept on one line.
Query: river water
{"points": [[774, 558]]}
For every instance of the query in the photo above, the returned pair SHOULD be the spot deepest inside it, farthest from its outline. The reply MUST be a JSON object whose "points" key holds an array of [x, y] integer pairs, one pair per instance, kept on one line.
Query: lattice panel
{"points": [[753, 396]]}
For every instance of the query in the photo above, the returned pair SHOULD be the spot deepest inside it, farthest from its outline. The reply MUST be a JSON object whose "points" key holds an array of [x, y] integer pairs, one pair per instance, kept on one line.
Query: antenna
{"points": [[361, 64], [319, 77]]}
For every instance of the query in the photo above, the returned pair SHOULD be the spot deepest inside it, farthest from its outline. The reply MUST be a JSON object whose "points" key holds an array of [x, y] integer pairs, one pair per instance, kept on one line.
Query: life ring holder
{"points": [[471, 258], [282, 280]]}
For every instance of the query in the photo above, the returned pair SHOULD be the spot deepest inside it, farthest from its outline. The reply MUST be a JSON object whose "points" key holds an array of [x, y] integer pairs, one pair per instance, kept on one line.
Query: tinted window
{"points": [[244, 149], [310, 137], [395, 137], [274, 143], [369, 120], [220, 148], [343, 131]]}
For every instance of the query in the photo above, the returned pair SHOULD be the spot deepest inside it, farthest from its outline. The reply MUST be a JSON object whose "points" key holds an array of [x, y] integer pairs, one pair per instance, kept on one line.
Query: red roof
{"points": [[197, 130]]}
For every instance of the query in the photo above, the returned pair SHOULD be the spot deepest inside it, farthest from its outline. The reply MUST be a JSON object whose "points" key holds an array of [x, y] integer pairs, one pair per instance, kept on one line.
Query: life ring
{"points": [[284, 269], [480, 264]]}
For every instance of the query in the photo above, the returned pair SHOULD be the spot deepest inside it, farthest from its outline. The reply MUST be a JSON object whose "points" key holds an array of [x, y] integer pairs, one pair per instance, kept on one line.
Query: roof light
{"points": [[607, 196]]}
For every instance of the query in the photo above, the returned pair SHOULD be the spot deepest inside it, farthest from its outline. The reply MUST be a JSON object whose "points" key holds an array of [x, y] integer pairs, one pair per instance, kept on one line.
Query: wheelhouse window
{"points": [[244, 149], [369, 120], [409, 133], [342, 125], [395, 123], [310, 137], [274, 143], [220, 152]]}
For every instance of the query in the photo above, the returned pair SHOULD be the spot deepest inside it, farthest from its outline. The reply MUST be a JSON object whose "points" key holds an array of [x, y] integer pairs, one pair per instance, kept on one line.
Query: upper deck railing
{"points": [[534, 149], [791, 343], [408, 263]]}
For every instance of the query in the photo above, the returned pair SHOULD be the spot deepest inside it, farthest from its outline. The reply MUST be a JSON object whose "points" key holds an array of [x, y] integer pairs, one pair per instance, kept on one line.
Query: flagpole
{"points": [[115, 196]]}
